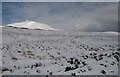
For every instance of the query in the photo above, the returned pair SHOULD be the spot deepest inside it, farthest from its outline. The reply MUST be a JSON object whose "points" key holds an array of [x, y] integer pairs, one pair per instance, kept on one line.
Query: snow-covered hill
{"points": [[1, 26], [113, 33], [31, 25], [43, 52]]}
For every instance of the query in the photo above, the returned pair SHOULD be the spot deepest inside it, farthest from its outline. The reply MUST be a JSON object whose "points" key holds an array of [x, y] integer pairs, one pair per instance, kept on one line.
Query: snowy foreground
{"points": [[38, 52]]}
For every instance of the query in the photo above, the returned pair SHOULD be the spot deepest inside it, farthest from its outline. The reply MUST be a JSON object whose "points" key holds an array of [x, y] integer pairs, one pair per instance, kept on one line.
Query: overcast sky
{"points": [[84, 16], [0, 12]]}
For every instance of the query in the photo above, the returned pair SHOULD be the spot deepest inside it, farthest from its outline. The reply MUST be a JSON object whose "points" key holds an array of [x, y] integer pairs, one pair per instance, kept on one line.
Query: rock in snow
{"points": [[31, 25]]}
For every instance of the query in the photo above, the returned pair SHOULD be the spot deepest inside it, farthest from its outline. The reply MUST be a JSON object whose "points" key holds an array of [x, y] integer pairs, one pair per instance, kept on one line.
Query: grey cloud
{"points": [[101, 19]]}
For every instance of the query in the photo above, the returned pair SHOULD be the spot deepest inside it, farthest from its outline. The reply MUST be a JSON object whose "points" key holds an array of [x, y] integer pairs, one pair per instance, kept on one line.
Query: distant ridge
{"points": [[31, 25]]}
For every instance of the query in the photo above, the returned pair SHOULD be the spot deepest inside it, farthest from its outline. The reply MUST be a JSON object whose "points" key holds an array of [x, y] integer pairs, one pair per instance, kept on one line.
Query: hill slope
{"points": [[36, 52]]}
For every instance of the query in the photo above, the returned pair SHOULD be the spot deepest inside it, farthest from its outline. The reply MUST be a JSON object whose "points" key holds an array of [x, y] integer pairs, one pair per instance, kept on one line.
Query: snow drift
{"points": [[31, 25]]}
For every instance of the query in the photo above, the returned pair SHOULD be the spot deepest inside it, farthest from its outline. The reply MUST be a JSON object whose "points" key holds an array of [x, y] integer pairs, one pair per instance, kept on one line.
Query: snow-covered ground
{"points": [[39, 52]]}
